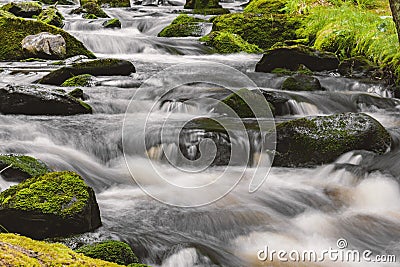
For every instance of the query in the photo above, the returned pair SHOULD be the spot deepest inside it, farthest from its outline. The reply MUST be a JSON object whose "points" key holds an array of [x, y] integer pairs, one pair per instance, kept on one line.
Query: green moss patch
{"points": [[266, 6], [226, 42], [183, 26], [80, 80], [112, 23], [94, 9], [59, 193], [261, 30], [14, 30], [24, 165], [110, 250], [51, 16], [18, 250]]}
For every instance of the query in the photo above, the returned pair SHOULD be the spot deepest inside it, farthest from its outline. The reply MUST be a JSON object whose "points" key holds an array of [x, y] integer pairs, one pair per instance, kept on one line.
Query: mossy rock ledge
{"points": [[14, 30], [18, 168], [183, 26], [291, 57], [308, 142], [100, 67], [35, 100], [16, 250], [51, 205], [110, 250]]}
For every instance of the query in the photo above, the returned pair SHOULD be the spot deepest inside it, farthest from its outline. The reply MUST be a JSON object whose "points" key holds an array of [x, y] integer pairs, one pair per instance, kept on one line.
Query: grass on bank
{"points": [[350, 31]]}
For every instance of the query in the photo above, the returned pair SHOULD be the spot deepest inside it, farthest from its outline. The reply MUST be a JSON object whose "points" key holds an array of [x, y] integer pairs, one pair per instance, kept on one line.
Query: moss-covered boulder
{"points": [[292, 57], [17, 168], [93, 8], [51, 16], [35, 100], [262, 30], [100, 67], [110, 250], [112, 23], [23, 9], [109, 3], [357, 67], [14, 30], [320, 140], [80, 80], [183, 26], [266, 6], [54, 204], [227, 43], [244, 103], [301, 82], [16, 250]]}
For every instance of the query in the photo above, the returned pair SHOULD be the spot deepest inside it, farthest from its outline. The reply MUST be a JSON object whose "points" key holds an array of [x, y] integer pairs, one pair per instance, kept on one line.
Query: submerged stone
{"points": [[100, 67], [55, 204], [34, 100], [301, 82]]}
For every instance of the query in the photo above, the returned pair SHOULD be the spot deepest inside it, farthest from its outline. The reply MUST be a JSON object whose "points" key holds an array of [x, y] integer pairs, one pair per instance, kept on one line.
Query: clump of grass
{"points": [[351, 31]]}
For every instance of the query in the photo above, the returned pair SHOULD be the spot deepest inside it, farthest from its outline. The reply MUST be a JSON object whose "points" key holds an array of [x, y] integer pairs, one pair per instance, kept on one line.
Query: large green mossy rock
{"points": [[266, 6], [17, 168], [51, 16], [262, 30], [319, 140], [92, 8], [228, 43], [292, 57], [110, 250], [35, 100], [183, 26], [23, 9], [16, 250], [100, 67], [55, 204], [109, 3], [14, 30]]}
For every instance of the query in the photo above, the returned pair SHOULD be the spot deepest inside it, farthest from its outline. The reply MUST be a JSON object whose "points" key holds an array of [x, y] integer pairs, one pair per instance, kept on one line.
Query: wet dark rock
{"points": [[320, 140], [100, 67], [292, 57], [357, 67], [301, 82], [35, 100]]}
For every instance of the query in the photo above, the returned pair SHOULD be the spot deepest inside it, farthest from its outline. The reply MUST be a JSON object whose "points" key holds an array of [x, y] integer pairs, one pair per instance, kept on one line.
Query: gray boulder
{"points": [[45, 45]]}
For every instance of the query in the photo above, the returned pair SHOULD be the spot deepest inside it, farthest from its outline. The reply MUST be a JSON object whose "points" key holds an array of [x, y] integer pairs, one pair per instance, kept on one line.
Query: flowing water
{"points": [[356, 198]]}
